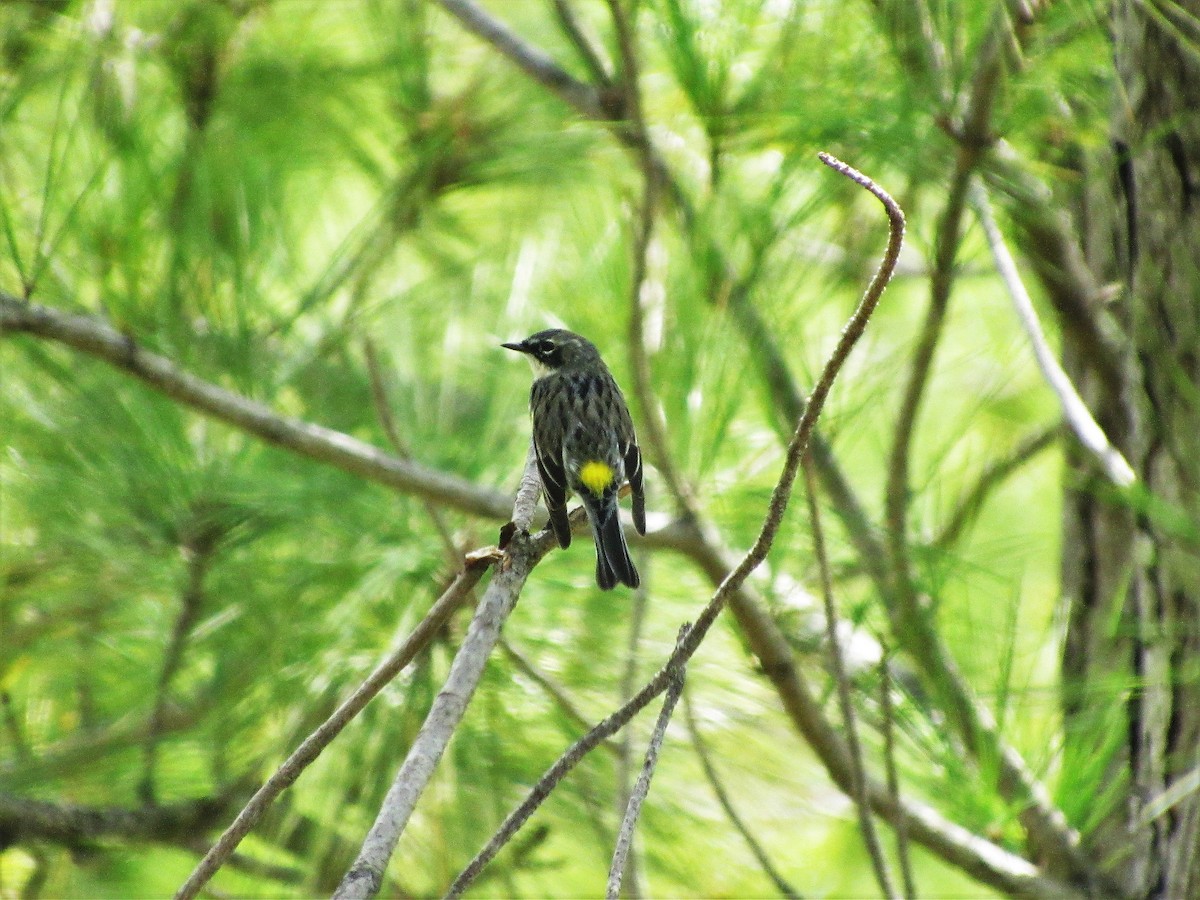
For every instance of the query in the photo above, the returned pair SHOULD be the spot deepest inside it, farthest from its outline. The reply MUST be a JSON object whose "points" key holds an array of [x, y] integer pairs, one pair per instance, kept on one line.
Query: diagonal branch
{"points": [[95, 338], [534, 62], [974, 855], [732, 291], [1075, 412], [587, 51], [312, 746], [642, 788], [1044, 234], [522, 554]]}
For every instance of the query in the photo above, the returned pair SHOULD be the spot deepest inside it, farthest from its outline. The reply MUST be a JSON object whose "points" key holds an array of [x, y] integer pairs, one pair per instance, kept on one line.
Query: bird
{"points": [[584, 442]]}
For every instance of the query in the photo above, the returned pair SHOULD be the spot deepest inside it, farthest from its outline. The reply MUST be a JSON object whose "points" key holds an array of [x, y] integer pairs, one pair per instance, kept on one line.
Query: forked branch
{"points": [[690, 642]]}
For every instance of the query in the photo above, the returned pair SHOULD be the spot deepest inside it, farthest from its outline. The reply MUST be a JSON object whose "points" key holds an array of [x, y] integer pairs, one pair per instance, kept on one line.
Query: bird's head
{"points": [[554, 349]]}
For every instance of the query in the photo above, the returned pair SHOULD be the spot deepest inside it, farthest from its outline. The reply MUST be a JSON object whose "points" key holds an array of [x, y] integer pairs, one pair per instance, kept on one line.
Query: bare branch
{"points": [[637, 619], [528, 493], [893, 778], [95, 338], [76, 826], [365, 875], [533, 61], [316, 742], [587, 51], [642, 788], [1075, 411], [714, 781], [858, 770]]}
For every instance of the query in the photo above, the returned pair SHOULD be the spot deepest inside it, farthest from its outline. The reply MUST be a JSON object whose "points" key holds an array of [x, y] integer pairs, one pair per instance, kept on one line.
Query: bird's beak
{"points": [[519, 347]]}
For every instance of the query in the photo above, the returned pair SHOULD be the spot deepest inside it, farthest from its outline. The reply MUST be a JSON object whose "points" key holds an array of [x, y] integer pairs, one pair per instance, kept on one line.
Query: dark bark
{"points": [[1131, 564], [25, 821]]}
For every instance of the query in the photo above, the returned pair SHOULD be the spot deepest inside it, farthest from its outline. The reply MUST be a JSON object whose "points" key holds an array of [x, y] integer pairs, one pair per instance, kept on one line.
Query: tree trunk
{"points": [[1131, 565]]}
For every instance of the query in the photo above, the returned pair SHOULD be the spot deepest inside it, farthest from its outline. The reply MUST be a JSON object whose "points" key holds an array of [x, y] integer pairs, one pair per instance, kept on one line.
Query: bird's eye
{"points": [[545, 348]]}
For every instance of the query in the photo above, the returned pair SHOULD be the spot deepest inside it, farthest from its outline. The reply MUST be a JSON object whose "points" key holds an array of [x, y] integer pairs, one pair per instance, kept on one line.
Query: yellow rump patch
{"points": [[596, 476]]}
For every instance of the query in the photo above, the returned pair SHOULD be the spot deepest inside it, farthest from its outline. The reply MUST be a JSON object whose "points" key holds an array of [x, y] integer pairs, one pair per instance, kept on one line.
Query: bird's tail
{"points": [[612, 553]]}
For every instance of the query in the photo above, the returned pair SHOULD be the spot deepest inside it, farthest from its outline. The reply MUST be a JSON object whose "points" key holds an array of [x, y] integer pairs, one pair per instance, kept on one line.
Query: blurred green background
{"points": [[255, 188]]}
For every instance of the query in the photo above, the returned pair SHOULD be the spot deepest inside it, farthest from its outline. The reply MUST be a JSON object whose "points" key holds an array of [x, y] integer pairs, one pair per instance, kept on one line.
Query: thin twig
{"points": [[777, 506], [583, 46], [312, 746], [1047, 235], [550, 779], [642, 788], [533, 61], [637, 619], [838, 669], [1075, 412], [383, 411], [893, 777], [714, 781]]}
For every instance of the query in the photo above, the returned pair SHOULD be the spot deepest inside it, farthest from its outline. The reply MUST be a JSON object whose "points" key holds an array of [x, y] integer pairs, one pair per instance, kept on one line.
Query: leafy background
{"points": [[255, 188]]}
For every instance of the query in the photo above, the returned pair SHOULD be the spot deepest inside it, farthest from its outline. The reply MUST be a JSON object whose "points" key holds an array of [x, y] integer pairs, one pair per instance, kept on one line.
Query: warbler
{"points": [[584, 442]]}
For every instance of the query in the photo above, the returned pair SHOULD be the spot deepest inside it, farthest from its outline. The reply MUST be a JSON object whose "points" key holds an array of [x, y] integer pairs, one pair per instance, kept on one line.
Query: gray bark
{"points": [[1131, 564]]}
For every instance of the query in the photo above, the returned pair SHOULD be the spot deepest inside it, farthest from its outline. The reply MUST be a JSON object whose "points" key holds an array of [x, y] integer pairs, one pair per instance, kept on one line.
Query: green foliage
{"points": [[253, 188]]}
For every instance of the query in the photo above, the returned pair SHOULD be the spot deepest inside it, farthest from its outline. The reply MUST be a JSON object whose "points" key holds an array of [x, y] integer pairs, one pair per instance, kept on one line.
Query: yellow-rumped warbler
{"points": [[584, 441]]}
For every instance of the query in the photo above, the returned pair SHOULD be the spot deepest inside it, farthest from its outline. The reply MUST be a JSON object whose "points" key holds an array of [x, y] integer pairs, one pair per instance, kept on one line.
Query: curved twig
{"points": [[780, 496]]}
